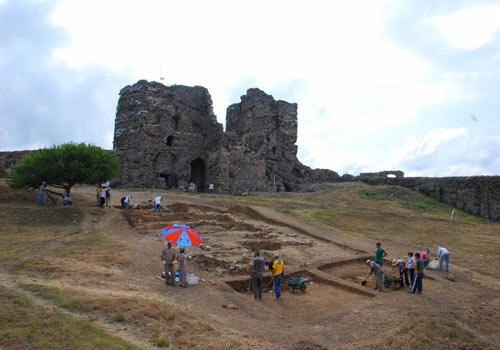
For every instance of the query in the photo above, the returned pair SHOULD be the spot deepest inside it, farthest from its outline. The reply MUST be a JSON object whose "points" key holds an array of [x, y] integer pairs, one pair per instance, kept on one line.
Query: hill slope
{"points": [[96, 268]]}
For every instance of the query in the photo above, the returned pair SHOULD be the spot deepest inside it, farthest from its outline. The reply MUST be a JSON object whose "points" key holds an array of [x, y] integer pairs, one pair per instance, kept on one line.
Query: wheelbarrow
{"points": [[298, 284]]}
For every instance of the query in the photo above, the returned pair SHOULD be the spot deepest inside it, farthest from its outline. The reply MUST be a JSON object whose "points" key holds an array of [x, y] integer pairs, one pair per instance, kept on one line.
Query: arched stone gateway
{"points": [[198, 171]]}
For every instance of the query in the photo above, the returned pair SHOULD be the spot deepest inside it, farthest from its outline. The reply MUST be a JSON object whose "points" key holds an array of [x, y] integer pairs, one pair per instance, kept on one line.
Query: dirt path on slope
{"points": [[8, 282], [323, 318]]}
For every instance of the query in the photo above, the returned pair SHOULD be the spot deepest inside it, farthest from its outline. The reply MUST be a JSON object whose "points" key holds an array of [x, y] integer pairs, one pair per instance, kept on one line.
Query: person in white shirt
{"points": [[410, 266], [102, 196], [126, 201], [157, 204], [443, 254]]}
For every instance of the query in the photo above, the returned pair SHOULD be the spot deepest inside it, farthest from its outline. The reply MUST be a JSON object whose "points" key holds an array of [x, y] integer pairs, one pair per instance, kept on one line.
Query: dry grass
{"points": [[24, 325], [389, 213], [426, 328], [47, 243], [165, 325], [32, 237]]}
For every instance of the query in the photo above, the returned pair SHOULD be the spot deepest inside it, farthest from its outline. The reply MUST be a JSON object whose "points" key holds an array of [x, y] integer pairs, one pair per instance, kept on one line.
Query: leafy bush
{"points": [[64, 165]]}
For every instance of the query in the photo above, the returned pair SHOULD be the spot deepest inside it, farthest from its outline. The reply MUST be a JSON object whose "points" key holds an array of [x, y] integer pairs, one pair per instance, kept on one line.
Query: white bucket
{"points": [[192, 279]]}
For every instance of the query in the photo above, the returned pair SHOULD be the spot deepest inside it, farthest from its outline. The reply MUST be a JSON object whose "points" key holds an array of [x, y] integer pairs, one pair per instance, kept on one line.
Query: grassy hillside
{"points": [[81, 277]]}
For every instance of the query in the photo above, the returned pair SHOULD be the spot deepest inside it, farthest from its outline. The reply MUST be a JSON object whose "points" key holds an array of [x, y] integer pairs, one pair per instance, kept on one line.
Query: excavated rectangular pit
{"points": [[355, 270], [242, 284]]}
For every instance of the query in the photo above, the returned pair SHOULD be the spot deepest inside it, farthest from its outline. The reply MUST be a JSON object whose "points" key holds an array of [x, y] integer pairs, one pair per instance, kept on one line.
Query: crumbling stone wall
{"points": [[381, 174], [161, 131], [479, 195], [169, 136]]}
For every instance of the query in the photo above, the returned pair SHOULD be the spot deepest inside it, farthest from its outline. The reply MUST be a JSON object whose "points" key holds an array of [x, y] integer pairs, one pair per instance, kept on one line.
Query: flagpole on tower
{"points": [[161, 75]]}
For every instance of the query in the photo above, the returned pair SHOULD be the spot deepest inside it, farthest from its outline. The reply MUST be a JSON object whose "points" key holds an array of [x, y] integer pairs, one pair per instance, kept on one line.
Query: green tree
{"points": [[64, 166]]}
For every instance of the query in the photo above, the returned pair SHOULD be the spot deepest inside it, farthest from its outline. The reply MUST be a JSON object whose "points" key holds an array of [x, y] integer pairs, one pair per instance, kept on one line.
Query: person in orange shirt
{"points": [[278, 270]]}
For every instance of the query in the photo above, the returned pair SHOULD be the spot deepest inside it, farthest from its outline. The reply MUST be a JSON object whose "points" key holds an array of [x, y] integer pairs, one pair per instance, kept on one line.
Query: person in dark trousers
{"points": [[410, 266], [403, 272], [182, 267], [168, 256], [258, 266], [103, 195], [419, 275], [108, 198], [379, 254]]}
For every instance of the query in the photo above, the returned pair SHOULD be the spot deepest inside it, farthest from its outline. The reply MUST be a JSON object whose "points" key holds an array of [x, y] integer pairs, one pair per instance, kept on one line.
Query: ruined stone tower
{"points": [[168, 136]]}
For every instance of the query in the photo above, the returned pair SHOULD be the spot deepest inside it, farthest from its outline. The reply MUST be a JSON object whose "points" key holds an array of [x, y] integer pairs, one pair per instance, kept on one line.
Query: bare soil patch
{"points": [[104, 265], [230, 238]]}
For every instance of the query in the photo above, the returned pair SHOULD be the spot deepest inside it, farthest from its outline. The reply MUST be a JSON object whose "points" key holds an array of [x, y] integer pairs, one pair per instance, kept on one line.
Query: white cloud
{"points": [[356, 89], [424, 146], [448, 152], [469, 28]]}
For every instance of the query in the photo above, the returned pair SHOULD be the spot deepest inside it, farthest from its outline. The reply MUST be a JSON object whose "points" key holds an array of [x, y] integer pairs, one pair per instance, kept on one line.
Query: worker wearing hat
{"points": [[379, 273]]}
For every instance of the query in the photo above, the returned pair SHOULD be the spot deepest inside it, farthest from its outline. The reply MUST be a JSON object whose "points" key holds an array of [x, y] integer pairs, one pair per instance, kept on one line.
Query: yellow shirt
{"points": [[278, 267]]}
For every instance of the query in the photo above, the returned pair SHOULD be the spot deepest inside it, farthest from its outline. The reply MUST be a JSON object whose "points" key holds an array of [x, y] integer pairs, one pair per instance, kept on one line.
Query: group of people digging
{"points": [[411, 269]]}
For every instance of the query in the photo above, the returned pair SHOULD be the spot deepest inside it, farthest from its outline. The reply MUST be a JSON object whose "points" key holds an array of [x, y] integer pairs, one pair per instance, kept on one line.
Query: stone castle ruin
{"points": [[169, 137]]}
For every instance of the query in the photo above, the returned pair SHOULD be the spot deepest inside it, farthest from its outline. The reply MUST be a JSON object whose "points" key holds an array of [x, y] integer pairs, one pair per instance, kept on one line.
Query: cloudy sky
{"points": [[410, 85]]}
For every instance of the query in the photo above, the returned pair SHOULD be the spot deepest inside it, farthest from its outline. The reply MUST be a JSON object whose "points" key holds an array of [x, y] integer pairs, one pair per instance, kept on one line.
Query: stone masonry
{"points": [[479, 195], [168, 136]]}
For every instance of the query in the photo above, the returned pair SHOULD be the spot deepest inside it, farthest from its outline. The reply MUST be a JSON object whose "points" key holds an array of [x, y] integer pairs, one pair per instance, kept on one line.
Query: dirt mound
{"points": [[262, 245]]}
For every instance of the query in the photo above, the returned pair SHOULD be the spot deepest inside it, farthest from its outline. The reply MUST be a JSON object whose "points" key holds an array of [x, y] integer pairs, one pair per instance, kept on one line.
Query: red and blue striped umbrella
{"points": [[182, 235]]}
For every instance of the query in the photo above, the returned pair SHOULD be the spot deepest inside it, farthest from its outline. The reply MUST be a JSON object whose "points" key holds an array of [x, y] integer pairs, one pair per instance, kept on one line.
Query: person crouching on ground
{"points": [[278, 270], [67, 198], [182, 267], [379, 274], [403, 272], [168, 256], [419, 275], [379, 254], [258, 266], [443, 255]]}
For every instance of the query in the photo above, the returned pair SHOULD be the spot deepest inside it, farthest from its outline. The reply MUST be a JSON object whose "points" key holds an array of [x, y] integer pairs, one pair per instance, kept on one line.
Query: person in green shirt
{"points": [[379, 254]]}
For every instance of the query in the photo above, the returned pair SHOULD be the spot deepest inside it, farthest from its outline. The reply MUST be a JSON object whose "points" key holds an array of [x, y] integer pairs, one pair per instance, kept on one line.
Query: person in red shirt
{"points": [[424, 256]]}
